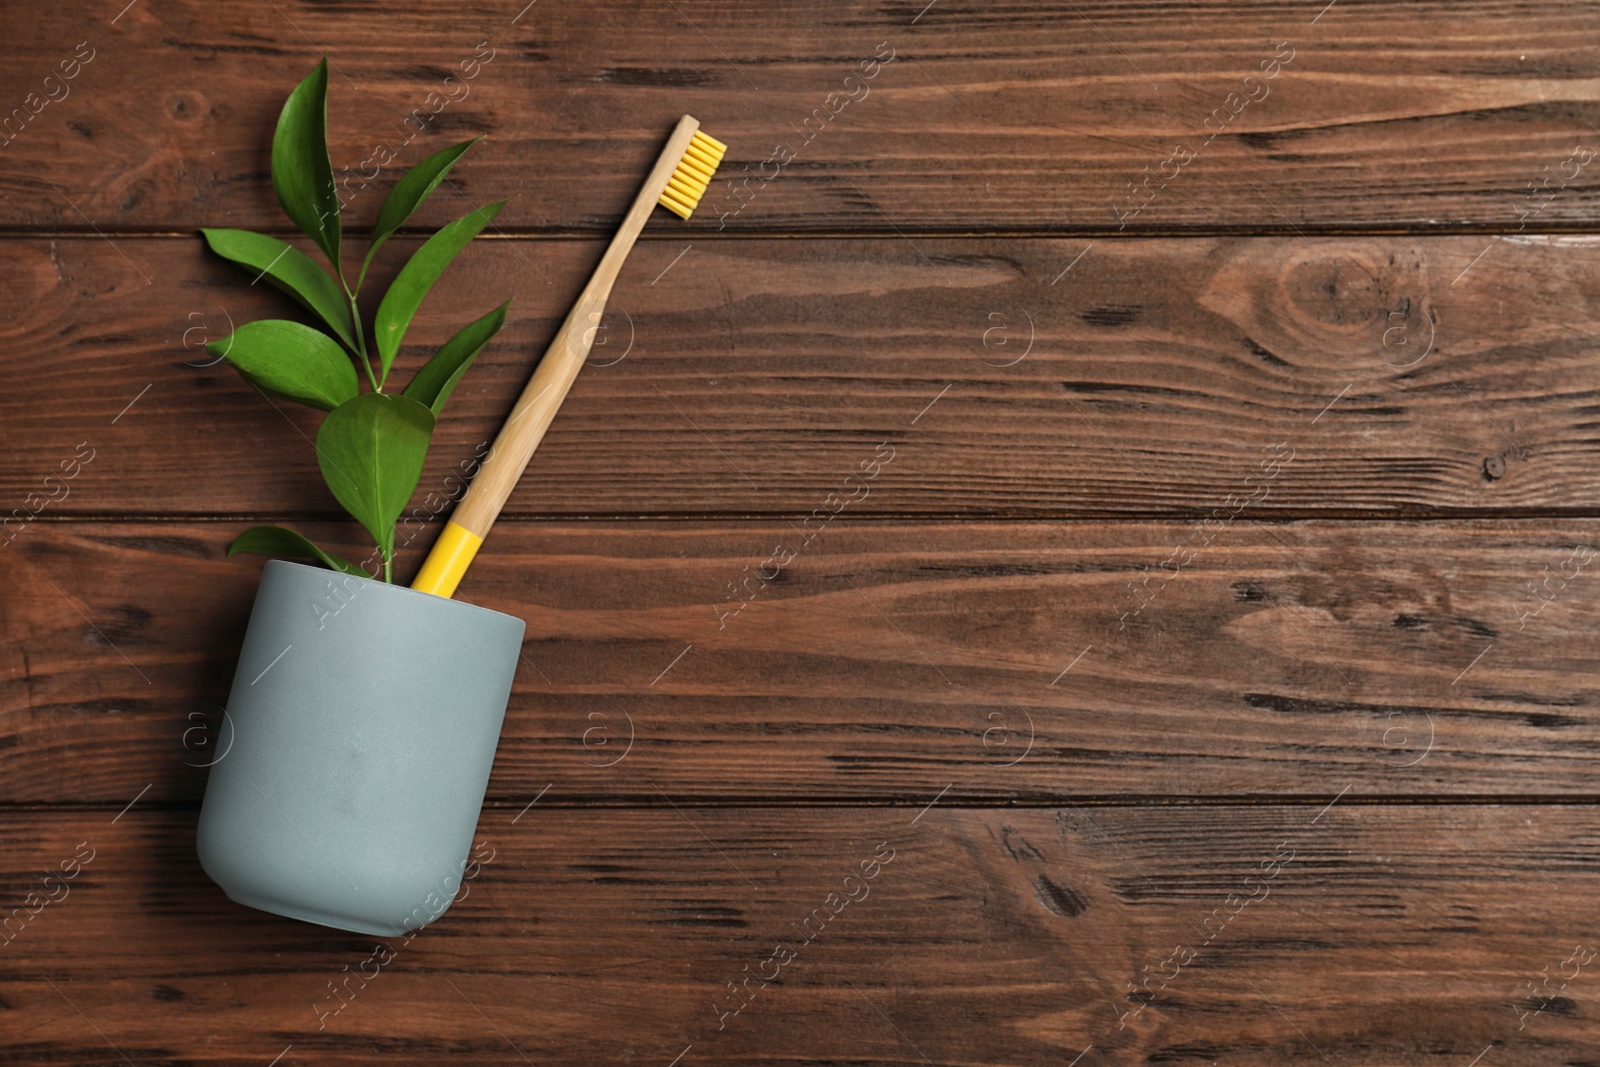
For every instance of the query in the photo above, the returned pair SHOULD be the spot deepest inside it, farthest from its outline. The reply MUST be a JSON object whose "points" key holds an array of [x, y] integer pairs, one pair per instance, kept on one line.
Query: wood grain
{"points": [[1037, 117], [1393, 934], [884, 660], [1410, 376], [1173, 540]]}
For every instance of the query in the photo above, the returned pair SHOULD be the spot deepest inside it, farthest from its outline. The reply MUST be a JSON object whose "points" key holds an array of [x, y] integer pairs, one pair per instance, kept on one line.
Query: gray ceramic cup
{"points": [[356, 750]]}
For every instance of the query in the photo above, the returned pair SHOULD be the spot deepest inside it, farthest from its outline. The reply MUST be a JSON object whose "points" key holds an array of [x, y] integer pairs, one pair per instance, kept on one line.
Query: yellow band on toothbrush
{"points": [[448, 561]]}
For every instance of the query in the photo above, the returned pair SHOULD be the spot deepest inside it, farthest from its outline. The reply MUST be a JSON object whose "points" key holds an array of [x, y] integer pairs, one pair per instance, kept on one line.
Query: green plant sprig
{"points": [[371, 446]]}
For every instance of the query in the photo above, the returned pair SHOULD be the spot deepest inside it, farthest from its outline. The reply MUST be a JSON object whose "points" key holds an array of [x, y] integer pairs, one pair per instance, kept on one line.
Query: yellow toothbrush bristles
{"points": [[693, 174]]}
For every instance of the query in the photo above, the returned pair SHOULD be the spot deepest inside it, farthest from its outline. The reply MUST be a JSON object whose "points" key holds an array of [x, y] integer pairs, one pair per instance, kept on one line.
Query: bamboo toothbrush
{"points": [[677, 182]]}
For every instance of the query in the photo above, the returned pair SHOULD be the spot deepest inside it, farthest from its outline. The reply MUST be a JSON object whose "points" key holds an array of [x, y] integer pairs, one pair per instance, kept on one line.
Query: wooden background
{"points": [[1321, 793]]}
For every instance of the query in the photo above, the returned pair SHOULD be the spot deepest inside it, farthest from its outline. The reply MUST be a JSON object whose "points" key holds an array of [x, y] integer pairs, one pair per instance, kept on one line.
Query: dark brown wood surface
{"points": [[1344, 934], [754, 376], [889, 660], [1215, 653], [1031, 117]]}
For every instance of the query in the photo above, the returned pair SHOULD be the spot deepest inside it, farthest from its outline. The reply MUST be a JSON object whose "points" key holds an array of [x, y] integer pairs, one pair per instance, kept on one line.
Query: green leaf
{"points": [[417, 277], [292, 359], [415, 186], [289, 269], [301, 171], [437, 379], [277, 541], [371, 451]]}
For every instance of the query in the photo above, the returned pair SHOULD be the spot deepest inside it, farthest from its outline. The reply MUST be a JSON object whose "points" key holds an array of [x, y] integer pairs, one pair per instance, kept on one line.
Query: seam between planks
{"points": [[953, 518], [1098, 233], [649, 802]]}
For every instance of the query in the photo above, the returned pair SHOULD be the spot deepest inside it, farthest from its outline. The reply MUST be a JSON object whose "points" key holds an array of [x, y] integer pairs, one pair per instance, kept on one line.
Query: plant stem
{"points": [[388, 570], [361, 341]]}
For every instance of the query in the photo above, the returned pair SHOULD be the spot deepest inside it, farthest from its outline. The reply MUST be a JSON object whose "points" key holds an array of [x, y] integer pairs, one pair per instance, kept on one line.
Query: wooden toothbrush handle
{"points": [[497, 476], [531, 416], [548, 387]]}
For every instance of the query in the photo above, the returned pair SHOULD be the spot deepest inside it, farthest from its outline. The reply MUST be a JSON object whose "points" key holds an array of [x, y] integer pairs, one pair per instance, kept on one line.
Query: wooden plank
{"points": [[1407, 376], [1002, 661], [1037, 117], [1251, 935]]}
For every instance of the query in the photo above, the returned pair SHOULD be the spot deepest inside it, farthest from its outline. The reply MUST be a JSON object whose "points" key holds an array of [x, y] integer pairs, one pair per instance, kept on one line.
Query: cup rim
{"points": [[405, 590]]}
